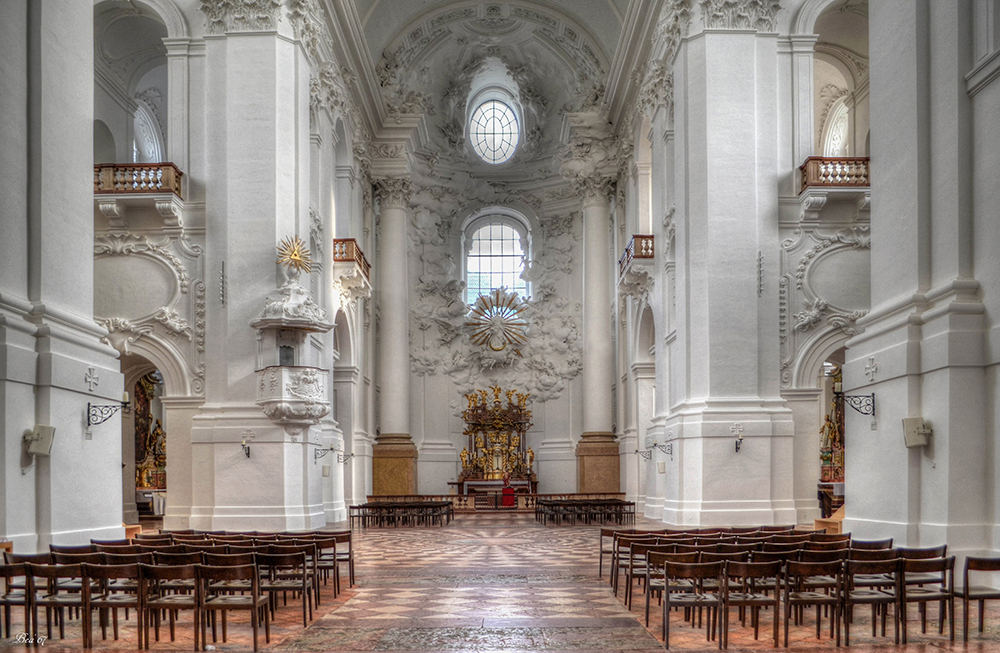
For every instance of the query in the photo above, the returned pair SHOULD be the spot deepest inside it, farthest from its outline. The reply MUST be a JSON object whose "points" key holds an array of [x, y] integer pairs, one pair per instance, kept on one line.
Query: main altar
{"points": [[497, 454]]}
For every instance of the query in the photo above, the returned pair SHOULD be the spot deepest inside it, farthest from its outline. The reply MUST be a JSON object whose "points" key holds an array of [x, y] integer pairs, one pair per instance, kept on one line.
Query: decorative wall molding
{"points": [[310, 29], [858, 237], [675, 18], [657, 90], [393, 192], [173, 323], [760, 15], [129, 244], [241, 15], [122, 332]]}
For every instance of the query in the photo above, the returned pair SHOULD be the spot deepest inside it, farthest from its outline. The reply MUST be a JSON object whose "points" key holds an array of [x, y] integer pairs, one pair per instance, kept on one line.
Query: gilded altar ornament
{"points": [[496, 321], [497, 435], [293, 253]]}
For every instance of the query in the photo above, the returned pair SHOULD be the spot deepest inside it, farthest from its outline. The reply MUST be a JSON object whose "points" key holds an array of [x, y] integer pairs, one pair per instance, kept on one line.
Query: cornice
{"points": [[633, 51]]}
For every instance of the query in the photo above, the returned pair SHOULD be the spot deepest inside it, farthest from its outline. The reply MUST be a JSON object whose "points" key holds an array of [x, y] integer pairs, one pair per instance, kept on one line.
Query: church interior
{"points": [[726, 263]]}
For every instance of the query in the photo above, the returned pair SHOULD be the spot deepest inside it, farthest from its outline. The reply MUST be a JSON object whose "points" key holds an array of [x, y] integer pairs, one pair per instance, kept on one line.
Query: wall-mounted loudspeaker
{"points": [[915, 432], [40, 439]]}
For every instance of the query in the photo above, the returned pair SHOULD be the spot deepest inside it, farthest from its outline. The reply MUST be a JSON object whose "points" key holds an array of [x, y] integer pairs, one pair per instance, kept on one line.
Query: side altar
{"points": [[497, 455]]}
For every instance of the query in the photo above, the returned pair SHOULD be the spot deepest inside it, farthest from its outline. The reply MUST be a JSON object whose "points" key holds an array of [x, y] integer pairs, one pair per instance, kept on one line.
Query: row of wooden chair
{"points": [[285, 568], [589, 511]]}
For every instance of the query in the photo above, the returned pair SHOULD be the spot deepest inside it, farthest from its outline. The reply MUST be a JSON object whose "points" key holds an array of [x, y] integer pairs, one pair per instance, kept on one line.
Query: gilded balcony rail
{"points": [[137, 178], [641, 246], [347, 250], [836, 172]]}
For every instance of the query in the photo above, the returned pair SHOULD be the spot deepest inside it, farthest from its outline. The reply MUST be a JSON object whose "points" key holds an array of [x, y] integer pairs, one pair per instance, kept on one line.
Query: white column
{"points": [[394, 455], [727, 371], [54, 362]]}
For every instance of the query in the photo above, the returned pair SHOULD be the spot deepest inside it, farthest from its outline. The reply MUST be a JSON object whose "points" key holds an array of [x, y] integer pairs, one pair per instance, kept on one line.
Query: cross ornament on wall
{"points": [[91, 379], [870, 368]]}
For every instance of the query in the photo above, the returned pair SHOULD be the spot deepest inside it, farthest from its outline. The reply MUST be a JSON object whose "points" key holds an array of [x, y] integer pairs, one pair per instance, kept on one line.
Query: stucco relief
{"points": [[818, 294], [176, 325], [552, 354]]}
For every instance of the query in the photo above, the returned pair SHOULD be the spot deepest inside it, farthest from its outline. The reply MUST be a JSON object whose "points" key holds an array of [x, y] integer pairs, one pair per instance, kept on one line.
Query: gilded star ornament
{"points": [[293, 253], [496, 321]]}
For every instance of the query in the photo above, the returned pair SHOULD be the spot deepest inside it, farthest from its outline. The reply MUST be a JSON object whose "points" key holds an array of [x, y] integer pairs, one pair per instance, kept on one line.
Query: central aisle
{"points": [[493, 582]]}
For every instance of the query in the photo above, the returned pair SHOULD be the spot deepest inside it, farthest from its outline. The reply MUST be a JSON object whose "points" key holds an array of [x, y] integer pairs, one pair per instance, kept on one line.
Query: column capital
{"points": [[246, 16], [760, 15], [393, 192]]}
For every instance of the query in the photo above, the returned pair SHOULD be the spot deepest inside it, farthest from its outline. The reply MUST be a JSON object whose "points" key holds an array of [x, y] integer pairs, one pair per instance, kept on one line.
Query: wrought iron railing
{"points": [[836, 172], [137, 178]]}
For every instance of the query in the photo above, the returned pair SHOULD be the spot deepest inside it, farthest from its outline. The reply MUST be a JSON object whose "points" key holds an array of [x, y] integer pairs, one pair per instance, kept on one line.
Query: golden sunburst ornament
{"points": [[293, 253], [496, 321]]}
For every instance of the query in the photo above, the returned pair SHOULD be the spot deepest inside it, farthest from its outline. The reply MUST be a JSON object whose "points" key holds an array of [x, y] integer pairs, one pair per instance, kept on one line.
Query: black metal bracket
{"points": [[864, 404], [645, 454], [98, 414], [341, 458], [320, 453], [739, 443]]}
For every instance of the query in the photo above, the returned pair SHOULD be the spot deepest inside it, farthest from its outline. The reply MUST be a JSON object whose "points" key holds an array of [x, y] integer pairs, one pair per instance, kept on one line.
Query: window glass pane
{"points": [[493, 131], [495, 260]]}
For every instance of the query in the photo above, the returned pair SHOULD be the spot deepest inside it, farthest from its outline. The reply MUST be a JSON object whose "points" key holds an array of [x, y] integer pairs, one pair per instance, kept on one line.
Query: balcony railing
{"points": [[137, 178], [346, 250], [835, 172], [640, 246]]}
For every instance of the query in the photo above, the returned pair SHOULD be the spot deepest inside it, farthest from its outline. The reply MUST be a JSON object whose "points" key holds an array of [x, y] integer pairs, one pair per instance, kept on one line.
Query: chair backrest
{"points": [[735, 556], [76, 558], [206, 548], [744, 530], [35, 558], [175, 559], [754, 539], [179, 531], [189, 537], [161, 548], [711, 530], [228, 559], [777, 529], [871, 567], [928, 565], [825, 546], [693, 571], [128, 558], [736, 548], [642, 549], [871, 544], [123, 542], [118, 548], [872, 554], [657, 559], [11, 571], [153, 538], [748, 570], [167, 572], [830, 537], [775, 556], [775, 546], [239, 548], [807, 555], [308, 549], [63, 548], [52, 572], [796, 569], [625, 541], [229, 572], [914, 553], [273, 560], [790, 539], [611, 532], [110, 572], [345, 538], [689, 548], [715, 539]]}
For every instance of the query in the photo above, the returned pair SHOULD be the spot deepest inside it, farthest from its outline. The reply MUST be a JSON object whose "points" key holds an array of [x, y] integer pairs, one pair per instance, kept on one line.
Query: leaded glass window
{"points": [[494, 131], [495, 259]]}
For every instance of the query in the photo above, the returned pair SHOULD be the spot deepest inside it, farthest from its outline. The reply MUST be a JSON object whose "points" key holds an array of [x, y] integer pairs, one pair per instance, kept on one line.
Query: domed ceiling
{"points": [[556, 54]]}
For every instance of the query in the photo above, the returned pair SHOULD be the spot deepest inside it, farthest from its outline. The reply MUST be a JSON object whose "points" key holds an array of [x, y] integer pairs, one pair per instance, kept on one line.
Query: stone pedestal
{"points": [[597, 462], [394, 465]]}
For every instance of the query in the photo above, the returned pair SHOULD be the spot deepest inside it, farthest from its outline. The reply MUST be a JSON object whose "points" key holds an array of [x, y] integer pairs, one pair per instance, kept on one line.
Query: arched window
{"points": [[496, 247]]}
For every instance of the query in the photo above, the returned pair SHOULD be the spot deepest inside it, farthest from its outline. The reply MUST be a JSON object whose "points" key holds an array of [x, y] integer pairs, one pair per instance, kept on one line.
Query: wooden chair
{"points": [[818, 536], [622, 547], [871, 544], [156, 583], [346, 554], [15, 596], [109, 587], [753, 582], [312, 563], [978, 593], [50, 594], [122, 542], [191, 547], [211, 601], [63, 548], [942, 590], [796, 596], [694, 597], [655, 580], [636, 566], [282, 573], [118, 548], [833, 545], [879, 597], [605, 548]]}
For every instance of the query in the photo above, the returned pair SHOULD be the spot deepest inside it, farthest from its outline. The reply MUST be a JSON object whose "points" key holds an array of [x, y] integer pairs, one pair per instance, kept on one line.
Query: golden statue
{"points": [[465, 457]]}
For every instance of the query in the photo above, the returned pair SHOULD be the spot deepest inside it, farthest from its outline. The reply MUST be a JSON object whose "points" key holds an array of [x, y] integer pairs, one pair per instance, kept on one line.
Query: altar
{"points": [[497, 454]]}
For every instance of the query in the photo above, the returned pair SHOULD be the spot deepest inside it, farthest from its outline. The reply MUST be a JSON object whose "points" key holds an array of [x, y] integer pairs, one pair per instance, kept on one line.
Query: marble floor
{"points": [[499, 582]]}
